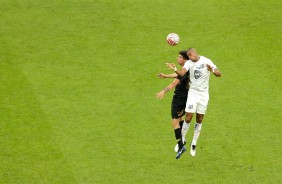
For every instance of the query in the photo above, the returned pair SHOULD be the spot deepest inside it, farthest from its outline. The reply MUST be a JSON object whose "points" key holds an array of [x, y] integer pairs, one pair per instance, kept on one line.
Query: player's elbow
{"points": [[182, 73]]}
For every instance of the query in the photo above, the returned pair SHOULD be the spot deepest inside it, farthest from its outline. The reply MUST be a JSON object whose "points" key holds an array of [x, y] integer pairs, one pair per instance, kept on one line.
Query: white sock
{"points": [[197, 130], [184, 130]]}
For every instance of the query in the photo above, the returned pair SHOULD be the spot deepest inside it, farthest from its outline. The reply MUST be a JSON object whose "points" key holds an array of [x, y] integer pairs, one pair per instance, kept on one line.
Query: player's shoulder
{"points": [[204, 58], [189, 62]]}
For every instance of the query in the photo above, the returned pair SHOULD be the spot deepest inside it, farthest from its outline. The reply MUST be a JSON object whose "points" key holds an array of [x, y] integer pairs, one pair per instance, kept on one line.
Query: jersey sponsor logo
{"points": [[200, 67], [180, 113], [197, 74], [190, 107]]}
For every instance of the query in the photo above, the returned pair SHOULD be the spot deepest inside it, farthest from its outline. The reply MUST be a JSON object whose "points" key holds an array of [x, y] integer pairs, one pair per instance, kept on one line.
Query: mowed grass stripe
{"points": [[29, 150]]}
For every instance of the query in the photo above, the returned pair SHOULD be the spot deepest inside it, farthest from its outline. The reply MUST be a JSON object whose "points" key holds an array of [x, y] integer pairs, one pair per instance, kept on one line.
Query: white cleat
{"points": [[193, 150], [176, 148]]}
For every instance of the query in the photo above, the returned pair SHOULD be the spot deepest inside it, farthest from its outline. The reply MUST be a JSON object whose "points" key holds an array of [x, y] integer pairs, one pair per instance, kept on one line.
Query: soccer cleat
{"points": [[193, 150], [180, 152], [176, 148]]}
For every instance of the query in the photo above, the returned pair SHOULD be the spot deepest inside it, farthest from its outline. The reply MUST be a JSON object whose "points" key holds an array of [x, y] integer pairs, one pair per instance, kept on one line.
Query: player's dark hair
{"points": [[183, 53]]}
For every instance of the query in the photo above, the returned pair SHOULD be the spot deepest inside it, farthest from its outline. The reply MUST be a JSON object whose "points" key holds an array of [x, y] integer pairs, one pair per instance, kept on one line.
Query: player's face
{"points": [[192, 56], [180, 60]]}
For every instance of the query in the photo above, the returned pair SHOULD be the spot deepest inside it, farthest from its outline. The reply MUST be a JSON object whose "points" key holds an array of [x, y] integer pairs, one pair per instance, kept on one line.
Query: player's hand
{"points": [[161, 75], [170, 66], [160, 95], [209, 68]]}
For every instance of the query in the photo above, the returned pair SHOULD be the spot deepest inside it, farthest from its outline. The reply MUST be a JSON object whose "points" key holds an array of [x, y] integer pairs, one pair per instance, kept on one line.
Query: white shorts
{"points": [[197, 102]]}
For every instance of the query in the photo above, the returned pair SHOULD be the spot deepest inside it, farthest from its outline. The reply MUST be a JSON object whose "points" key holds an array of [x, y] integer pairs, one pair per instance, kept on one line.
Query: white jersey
{"points": [[199, 74]]}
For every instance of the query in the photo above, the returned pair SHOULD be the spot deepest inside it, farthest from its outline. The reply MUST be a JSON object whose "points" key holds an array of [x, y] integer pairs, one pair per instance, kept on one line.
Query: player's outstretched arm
{"points": [[163, 76], [160, 95], [178, 72], [215, 71]]}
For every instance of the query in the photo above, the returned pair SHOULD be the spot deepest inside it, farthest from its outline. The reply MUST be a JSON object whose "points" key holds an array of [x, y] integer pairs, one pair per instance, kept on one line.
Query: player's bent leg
{"points": [[177, 132], [185, 127], [200, 109], [175, 125], [197, 130], [184, 130]]}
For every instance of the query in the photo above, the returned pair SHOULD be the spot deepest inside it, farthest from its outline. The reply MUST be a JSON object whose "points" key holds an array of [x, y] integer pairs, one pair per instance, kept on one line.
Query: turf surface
{"points": [[78, 84]]}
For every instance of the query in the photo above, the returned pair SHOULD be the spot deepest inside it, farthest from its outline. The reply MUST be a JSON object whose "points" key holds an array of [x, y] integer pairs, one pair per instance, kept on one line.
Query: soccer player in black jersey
{"points": [[181, 85]]}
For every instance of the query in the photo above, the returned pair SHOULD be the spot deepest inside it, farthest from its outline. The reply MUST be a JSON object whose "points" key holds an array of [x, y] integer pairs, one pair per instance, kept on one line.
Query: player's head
{"points": [[192, 54], [182, 57], [183, 53]]}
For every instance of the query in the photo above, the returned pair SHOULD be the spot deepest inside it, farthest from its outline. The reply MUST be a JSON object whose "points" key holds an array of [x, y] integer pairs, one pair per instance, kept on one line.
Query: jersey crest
{"points": [[198, 74]]}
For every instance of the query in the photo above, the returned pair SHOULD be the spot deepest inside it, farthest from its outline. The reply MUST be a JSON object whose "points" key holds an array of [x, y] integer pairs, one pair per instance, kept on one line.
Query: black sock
{"points": [[181, 123], [178, 137]]}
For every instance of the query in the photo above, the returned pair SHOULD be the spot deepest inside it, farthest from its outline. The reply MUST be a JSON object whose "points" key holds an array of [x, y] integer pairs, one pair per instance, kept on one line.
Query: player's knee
{"points": [[199, 119], [188, 119]]}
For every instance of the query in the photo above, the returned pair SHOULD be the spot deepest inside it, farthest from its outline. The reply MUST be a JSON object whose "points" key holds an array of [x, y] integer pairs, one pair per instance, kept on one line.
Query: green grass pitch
{"points": [[78, 84]]}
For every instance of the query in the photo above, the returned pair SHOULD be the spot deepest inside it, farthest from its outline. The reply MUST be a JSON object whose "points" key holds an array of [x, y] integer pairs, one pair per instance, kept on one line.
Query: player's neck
{"points": [[197, 59]]}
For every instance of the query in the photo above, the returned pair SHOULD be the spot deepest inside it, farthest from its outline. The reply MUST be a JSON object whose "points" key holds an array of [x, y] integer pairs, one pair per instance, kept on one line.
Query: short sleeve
{"points": [[209, 62], [186, 66]]}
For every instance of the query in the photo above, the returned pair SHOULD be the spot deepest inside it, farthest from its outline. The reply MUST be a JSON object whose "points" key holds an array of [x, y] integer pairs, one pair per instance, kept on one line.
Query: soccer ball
{"points": [[172, 39]]}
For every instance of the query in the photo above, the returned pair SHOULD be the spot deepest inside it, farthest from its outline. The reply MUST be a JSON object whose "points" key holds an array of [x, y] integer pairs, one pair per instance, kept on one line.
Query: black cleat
{"points": [[180, 152]]}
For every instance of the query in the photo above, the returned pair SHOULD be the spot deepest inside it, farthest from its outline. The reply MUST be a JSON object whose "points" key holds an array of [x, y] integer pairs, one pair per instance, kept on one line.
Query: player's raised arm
{"points": [[178, 72], [215, 71], [163, 76], [172, 85]]}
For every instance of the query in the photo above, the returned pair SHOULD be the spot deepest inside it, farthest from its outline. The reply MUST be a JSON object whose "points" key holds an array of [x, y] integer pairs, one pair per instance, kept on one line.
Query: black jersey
{"points": [[178, 102], [181, 90]]}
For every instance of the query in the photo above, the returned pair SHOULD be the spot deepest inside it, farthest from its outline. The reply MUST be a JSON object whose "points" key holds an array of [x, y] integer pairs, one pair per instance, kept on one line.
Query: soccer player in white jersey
{"points": [[200, 68]]}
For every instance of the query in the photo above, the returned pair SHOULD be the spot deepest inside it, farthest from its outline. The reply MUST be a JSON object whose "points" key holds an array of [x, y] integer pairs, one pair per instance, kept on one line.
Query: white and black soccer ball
{"points": [[172, 39]]}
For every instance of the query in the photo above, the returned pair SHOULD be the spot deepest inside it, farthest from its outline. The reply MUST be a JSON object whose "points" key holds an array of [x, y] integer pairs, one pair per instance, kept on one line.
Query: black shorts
{"points": [[178, 107]]}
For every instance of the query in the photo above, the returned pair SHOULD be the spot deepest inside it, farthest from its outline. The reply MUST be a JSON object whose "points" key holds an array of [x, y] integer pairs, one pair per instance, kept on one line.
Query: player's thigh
{"points": [[203, 105], [177, 109], [191, 103]]}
